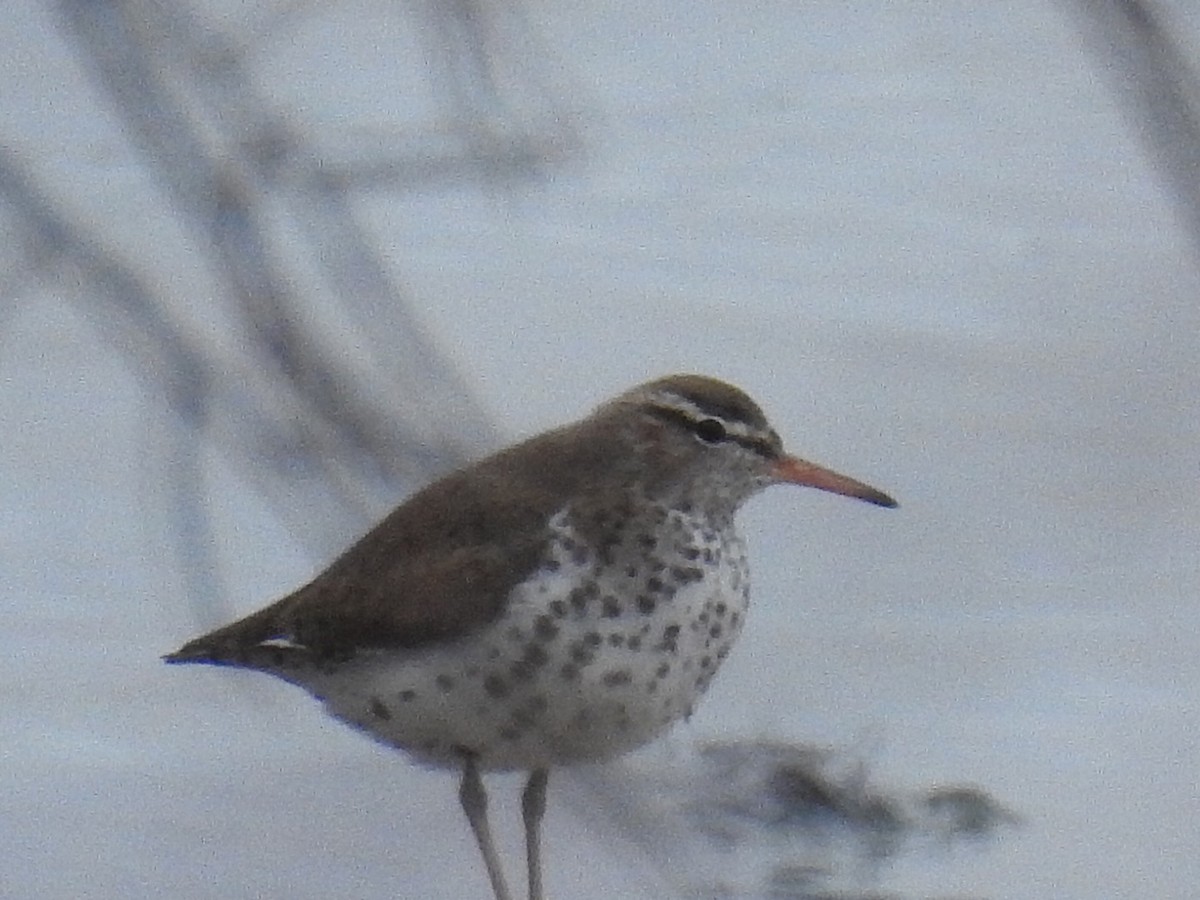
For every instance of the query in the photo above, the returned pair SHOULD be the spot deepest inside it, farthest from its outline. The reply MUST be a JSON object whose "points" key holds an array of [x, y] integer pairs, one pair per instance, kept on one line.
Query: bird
{"points": [[564, 600]]}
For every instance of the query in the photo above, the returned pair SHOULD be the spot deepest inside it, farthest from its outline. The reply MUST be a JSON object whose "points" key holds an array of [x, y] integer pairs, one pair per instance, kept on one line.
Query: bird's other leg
{"points": [[473, 797], [533, 807]]}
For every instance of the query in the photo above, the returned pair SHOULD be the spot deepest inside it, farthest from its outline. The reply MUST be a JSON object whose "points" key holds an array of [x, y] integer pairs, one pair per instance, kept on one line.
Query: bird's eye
{"points": [[711, 431]]}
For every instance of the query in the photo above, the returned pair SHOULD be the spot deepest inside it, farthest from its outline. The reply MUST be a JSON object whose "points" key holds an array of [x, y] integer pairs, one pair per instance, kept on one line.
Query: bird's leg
{"points": [[473, 797], [533, 807]]}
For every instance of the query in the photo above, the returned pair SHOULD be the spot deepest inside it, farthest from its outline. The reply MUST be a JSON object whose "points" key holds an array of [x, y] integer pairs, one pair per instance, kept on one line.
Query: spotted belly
{"points": [[591, 659]]}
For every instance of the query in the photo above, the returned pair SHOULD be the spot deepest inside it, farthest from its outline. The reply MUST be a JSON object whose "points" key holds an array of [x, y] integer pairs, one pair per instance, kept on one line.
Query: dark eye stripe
{"points": [[678, 417]]}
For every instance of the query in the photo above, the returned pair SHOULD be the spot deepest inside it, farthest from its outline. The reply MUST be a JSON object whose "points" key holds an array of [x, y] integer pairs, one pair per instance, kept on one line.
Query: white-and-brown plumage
{"points": [[566, 599]]}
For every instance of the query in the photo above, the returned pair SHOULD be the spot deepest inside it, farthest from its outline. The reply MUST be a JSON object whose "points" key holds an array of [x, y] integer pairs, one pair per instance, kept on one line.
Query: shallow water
{"points": [[924, 238]]}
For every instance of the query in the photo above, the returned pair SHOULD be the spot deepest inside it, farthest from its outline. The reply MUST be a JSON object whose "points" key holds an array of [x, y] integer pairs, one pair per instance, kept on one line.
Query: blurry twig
{"points": [[380, 416], [1158, 85], [328, 395], [496, 76], [216, 397]]}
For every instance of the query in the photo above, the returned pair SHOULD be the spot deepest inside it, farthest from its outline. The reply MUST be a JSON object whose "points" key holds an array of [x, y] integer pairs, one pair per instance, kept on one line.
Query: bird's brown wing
{"points": [[440, 566], [416, 601]]}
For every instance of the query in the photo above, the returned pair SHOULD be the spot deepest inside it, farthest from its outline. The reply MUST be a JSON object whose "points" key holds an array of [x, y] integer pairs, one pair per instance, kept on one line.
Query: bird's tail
{"points": [[236, 644]]}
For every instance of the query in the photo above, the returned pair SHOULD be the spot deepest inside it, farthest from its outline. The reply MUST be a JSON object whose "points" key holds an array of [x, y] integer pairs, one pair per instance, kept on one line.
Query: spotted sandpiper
{"points": [[564, 600]]}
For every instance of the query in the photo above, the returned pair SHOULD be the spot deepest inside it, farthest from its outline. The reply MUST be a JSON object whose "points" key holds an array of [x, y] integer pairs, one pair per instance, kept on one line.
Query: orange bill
{"points": [[798, 471]]}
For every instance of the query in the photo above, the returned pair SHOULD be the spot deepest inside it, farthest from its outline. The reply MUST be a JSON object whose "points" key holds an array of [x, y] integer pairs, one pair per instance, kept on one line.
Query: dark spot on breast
{"points": [[687, 574], [605, 553], [611, 607], [495, 686], [569, 672], [533, 659], [635, 643], [524, 717], [445, 682], [379, 710], [720, 609], [663, 670], [551, 565], [617, 677], [558, 608], [647, 541], [544, 628], [536, 656], [670, 639], [645, 604], [581, 654], [654, 584], [691, 552], [407, 696], [616, 639], [715, 631], [580, 596], [592, 639]]}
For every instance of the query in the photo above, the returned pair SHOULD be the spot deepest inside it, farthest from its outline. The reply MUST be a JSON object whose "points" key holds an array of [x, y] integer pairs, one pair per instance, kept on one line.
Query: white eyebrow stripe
{"points": [[735, 427]]}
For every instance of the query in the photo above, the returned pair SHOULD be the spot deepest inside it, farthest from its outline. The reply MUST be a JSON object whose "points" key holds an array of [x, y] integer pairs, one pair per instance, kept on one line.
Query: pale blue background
{"points": [[923, 235]]}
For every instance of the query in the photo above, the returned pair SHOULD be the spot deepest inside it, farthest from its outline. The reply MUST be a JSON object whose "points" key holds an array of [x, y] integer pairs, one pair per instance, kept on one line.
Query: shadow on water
{"points": [[811, 824]]}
